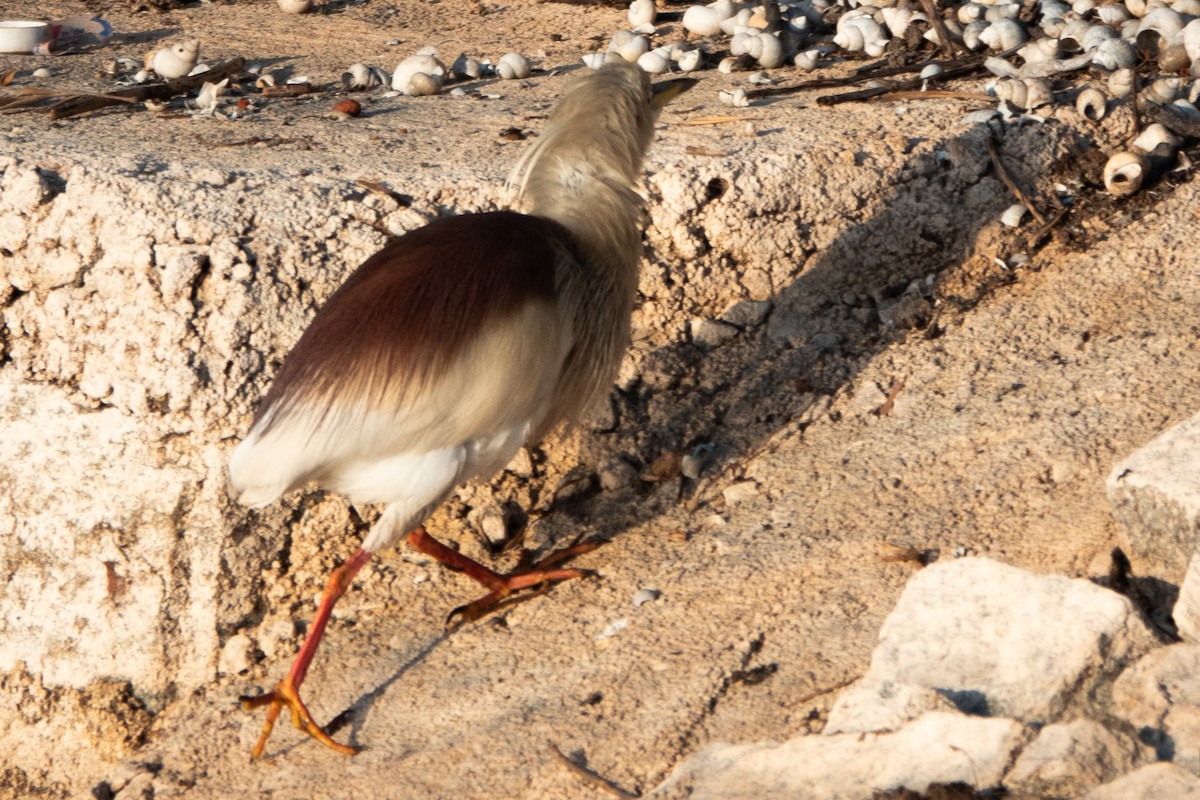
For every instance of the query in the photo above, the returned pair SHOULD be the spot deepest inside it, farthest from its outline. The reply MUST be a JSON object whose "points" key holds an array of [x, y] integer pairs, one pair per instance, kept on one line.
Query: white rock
{"points": [[1005, 641], [1187, 607], [1155, 782], [1155, 496], [740, 492], [940, 747], [709, 333], [874, 708], [1066, 760], [236, 655]]}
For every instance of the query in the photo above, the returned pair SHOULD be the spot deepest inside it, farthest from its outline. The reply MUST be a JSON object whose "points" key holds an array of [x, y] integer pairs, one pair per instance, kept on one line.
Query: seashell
{"points": [[1053, 10], [1115, 54], [1137, 7], [706, 20], [1173, 57], [1153, 137], [1004, 34], [514, 66], [629, 48], [737, 98], [422, 84], [972, 33], [1091, 104], [1082, 7], [688, 61], [970, 12], [761, 79], [360, 76], [1160, 25], [466, 68], [735, 22], [642, 12], [1186, 109], [982, 116], [1162, 91], [654, 62], [175, 60], [1188, 8], [294, 6], [898, 19], [1012, 90], [1120, 83], [265, 81], [739, 45], [1095, 36], [1113, 13], [1128, 29], [771, 51], [1053, 27], [1070, 39], [1013, 215], [860, 33], [931, 70], [734, 64], [206, 100], [1038, 93], [807, 61], [1040, 50], [1124, 173], [422, 64], [1191, 39], [349, 107], [1001, 11]]}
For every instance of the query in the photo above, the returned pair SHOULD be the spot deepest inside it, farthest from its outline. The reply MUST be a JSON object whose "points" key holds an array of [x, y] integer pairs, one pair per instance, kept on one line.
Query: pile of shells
{"points": [[1031, 51]]}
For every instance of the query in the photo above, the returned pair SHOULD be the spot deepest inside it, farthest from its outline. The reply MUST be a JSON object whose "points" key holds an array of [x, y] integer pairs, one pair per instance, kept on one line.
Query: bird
{"points": [[457, 344]]}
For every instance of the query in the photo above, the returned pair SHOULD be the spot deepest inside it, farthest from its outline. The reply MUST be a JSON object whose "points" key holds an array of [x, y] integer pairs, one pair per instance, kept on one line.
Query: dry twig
{"points": [[591, 777], [73, 105], [1007, 180]]}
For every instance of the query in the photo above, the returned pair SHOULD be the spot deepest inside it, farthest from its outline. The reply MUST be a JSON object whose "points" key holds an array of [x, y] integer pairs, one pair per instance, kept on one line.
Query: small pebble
{"points": [[41, 72], [612, 629], [643, 596]]}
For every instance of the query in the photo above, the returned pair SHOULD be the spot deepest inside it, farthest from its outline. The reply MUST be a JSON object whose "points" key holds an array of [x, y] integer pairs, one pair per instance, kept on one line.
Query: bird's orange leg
{"points": [[500, 586], [287, 693]]}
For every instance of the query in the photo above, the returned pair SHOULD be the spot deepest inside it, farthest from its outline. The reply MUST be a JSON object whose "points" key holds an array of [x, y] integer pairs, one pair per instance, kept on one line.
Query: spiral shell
{"points": [[1091, 104], [1153, 137], [1004, 34], [706, 20], [859, 32], [1114, 54], [629, 45], [1125, 172], [1120, 83], [360, 76], [421, 64], [175, 60], [771, 52], [514, 66], [642, 12]]}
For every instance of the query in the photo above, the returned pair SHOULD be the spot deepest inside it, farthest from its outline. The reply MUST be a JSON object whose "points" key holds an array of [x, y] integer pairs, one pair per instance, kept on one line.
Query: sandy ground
{"points": [[986, 426]]}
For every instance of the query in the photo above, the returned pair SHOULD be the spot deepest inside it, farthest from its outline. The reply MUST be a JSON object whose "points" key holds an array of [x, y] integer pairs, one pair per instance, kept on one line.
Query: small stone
{"points": [[746, 313], [236, 655], [1155, 782], [887, 706], [740, 492], [350, 108], [710, 333], [643, 596], [1066, 760]]}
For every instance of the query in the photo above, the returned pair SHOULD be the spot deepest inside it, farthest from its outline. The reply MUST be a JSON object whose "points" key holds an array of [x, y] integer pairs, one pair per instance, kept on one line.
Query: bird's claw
{"points": [[285, 694]]}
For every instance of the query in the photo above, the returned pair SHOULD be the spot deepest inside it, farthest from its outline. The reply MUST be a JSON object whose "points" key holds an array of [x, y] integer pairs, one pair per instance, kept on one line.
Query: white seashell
{"points": [[643, 596], [706, 20], [737, 98], [631, 49], [1188, 8], [688, 61], [1038, 93], [970, 12], [176, 60], [1004, 34], [1082, 7], [422, 84], [771, 52], [1091, 104], [1173, 57], [982, 116], [1053, 10], [931, 70], [740, 44], [206, 100], [807, 60], [1013, 215], [1120, 83], [1000, 68], [735, 22], [972, 33], [1095, 36], [1162, 91], [1128, 29], [1186, 108], [898, 19], [1124, 173], [360, 76], [263, 81], [294, 6], [1001, 11], [466, 68], [1137, 7], [1054, 26], [654, 62], [761, 79], [1113, 13], [141, 76], [422, 64], [1070, 38], [860, 33], [514, 66], [1012, 90], [1153, 137], [1160, 26], [642, 12], [1115, 54]]}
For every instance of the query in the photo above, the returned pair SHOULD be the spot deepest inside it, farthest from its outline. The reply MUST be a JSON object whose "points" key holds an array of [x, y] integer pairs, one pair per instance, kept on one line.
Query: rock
{"points": [[1167, 677], [1155, 782], [1002, 641], [746, 313], [910, 310], [236, 655], [1155, 497], [1066, 760], [710, 333], [740, 492], [871, 708], [939, 747], [1187, 608]]}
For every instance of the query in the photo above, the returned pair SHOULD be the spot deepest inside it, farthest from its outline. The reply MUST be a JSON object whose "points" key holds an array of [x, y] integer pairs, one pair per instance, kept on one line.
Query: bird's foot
{"points": [[501, 586], [286, 694]]}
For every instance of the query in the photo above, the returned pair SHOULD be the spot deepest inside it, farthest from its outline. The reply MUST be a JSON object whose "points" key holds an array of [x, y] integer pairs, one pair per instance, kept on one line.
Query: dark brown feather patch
{"points": [[413, 305]]}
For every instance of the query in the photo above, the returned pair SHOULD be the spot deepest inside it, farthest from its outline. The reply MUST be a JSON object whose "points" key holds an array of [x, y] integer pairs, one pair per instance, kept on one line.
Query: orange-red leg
{"points": [[499, 586], [287, 693]]}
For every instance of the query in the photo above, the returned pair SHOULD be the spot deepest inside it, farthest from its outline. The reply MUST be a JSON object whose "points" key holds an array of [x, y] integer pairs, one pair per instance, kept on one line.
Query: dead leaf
{"points": [[7, 77], [663, 468]]}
